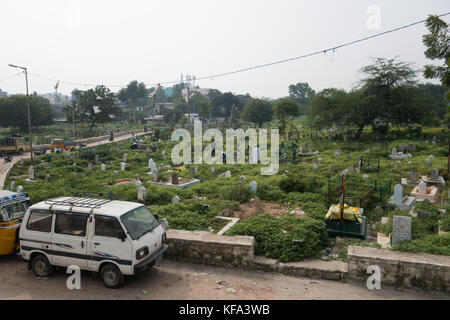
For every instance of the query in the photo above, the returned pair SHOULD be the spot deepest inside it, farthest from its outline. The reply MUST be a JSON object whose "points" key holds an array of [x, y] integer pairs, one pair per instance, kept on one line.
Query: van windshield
{"points": [[139, 222], [14, 210]]}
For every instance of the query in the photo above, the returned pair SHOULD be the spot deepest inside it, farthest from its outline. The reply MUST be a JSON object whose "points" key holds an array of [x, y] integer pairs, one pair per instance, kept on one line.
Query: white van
{"points": [[114, 238]]}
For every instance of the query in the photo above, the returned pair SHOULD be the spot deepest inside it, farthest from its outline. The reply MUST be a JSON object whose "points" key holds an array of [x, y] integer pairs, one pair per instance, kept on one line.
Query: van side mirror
{"points": [[121, 235]]}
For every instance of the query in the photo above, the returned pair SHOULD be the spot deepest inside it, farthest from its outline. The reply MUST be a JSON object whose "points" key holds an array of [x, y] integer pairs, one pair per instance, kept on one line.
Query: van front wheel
{"points": [[41, 267], [111, 276]]}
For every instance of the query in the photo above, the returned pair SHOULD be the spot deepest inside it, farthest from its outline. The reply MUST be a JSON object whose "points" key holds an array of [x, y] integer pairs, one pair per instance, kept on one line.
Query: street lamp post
{"points": [[28, 109]]}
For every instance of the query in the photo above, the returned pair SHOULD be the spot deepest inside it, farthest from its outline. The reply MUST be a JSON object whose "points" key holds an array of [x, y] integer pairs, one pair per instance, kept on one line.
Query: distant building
{"points": [[56, 99], [3, 94], [168, 91], [188, 93]]}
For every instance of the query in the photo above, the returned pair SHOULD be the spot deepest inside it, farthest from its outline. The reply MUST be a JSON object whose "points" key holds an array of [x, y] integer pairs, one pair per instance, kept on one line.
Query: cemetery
{"points": [[287, 209]]}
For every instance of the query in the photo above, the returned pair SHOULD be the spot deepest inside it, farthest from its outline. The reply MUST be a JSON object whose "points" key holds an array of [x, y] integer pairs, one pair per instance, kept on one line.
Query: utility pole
{"points": [[73, 119], [28, 109]]}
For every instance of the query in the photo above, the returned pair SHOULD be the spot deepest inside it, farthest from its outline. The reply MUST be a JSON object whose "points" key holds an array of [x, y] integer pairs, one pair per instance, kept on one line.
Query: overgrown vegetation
{"points": [[288, 238]]}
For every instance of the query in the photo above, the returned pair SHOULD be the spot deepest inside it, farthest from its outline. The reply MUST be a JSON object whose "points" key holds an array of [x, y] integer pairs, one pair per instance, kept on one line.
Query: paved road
{"points": [[176, 280], [4, 167]]}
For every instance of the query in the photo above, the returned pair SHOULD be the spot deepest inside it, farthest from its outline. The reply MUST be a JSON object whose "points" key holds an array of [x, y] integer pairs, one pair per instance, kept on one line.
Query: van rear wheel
{"points": [[111, 276], [41, 266]]}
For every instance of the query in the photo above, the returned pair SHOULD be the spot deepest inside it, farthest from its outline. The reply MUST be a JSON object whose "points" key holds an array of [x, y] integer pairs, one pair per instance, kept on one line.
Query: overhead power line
{"points": [[333, 49], [10, 77]]}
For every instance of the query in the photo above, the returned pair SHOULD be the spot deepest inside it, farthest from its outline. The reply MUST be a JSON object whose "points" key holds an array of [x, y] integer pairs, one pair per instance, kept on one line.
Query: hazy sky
{"points": [[112, 42]]}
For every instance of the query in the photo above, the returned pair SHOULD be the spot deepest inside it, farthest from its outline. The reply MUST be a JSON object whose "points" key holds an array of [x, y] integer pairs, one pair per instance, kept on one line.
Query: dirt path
{"points": [[5, 167], [175, 280]]}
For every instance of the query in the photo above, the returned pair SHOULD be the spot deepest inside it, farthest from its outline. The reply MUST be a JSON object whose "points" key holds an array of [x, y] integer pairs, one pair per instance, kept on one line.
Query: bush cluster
{"points": [[275, 236]]}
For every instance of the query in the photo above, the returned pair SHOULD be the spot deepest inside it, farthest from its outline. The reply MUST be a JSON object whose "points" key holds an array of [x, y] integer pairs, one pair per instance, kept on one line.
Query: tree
{"points": [[200, 105], [172, 116], [223, 103], [327, 108], [234, 117], [98, 106], [177, 91], [14, 111], [258, 111], [437, 43], [284, 108], [302, 93], [135, 94], [73, 109], [385, 85]]}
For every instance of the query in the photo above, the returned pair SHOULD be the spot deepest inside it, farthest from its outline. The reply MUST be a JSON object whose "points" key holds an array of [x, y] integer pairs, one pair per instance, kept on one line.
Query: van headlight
{"points": [[142, 252]]}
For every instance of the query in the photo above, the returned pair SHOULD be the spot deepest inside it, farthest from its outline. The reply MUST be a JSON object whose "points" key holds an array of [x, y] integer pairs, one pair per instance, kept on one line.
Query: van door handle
{"points": [[82, 244], [96, 243]]}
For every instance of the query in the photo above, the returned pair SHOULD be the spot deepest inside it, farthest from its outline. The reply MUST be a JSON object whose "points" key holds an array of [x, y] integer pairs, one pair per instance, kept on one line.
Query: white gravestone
{"points": [[254, 186], [123, 166], [176, 199], [142, 194], [434, 175], [103, 167], [31, 173], [422, 187]]}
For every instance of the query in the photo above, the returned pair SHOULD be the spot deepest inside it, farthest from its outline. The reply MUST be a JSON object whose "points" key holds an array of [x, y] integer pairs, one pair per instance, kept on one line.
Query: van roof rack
{"points": [[90, 203]]}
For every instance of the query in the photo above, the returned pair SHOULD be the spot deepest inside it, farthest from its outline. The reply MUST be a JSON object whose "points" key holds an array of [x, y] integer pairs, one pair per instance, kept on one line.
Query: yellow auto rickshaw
{"points": [[12, 210]]}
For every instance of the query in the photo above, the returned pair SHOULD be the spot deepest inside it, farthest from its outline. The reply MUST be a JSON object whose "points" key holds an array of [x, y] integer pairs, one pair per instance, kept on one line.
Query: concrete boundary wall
{"points": [[208, 248], [401, 269], [398, 269]]}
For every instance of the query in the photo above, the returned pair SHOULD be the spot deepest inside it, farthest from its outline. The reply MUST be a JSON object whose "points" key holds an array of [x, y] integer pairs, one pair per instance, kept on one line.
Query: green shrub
{"points": [[274, 236], [189, 216], [434, 244], [419, 227], [295, 182], [236, 192], [445, 223]]}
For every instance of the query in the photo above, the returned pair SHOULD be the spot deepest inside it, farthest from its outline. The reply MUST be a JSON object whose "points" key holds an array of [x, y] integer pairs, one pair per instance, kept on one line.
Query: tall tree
{"points": [[302, 93], [258, 111], [13, 111], [98, 106], [223, 103], [437, 43], [284, 108], [200, 105], [234, 117], [135, 94]]}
